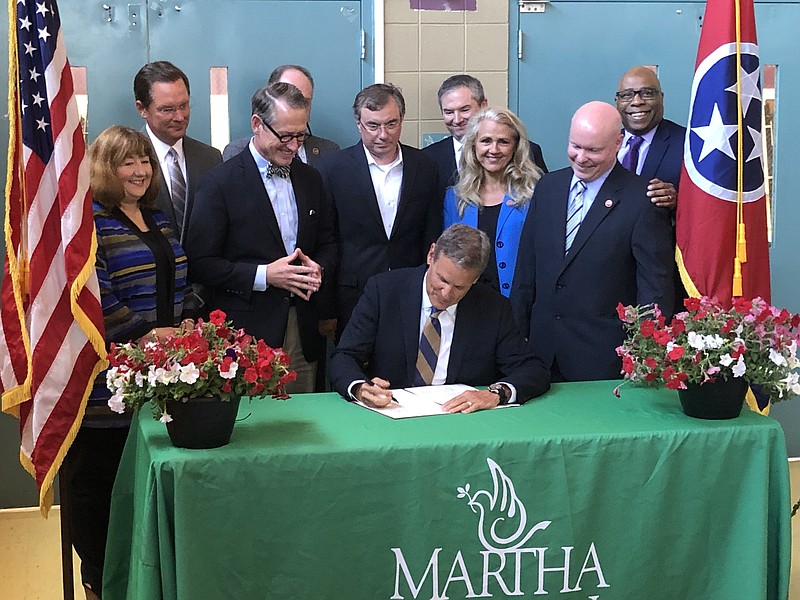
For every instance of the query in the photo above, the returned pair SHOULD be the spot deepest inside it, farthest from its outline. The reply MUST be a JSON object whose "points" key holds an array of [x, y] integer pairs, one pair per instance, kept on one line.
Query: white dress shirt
{"points": [[387, 180], [458, 148], [284, 205]]}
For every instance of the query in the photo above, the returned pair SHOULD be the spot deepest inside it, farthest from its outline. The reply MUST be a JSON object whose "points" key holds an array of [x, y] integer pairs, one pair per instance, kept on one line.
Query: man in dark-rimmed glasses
{"points": [[385, 194], [652, 146], [262, 239]]}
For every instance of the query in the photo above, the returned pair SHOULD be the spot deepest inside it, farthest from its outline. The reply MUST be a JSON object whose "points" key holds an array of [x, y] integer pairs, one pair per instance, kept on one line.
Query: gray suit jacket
{"points": [[315, 148], [200, 158]]}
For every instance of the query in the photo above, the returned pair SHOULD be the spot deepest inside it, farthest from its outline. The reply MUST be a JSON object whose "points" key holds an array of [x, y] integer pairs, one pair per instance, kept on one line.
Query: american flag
{"points": [[51, 322]]}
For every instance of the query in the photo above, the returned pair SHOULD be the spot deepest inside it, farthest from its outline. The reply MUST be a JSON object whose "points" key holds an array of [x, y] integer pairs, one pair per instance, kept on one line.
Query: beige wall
{"points": [[423, 48]]}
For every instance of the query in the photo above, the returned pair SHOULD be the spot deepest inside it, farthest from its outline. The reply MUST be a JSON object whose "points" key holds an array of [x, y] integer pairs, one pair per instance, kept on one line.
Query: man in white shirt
{"points": [[162, 98], [385, 196], [434, 324]]}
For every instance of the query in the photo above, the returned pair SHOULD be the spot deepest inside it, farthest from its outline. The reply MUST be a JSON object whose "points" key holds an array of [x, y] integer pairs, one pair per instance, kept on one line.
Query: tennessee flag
{"points": [[51, 322], [721, 222]]}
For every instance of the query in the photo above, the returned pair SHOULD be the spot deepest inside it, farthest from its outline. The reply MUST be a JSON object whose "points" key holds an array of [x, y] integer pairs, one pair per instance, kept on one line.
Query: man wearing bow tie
{"points": [[592, 239], [262, 238]]}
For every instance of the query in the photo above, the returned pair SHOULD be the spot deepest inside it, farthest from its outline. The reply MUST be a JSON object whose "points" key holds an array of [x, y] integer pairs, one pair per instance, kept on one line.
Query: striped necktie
{"points": [[428, 354], [177, 189], [574, 213]]}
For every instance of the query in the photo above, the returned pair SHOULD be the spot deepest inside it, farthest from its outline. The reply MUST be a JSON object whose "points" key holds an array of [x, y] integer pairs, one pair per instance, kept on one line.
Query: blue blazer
{"points": [[509, 230]]}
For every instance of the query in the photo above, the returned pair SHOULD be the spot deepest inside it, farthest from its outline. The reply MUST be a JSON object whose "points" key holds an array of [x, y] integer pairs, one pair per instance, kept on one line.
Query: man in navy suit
{"points": [[659, 154], [261, 236], [656, 142], [592, 239], [162, 99], [314, 147], [385, 194], [460, 97], [477, 341]]}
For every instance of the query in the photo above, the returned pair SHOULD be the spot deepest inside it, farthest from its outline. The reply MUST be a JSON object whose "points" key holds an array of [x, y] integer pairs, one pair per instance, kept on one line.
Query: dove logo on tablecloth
{"points": [[513, 561], [500, 510]]}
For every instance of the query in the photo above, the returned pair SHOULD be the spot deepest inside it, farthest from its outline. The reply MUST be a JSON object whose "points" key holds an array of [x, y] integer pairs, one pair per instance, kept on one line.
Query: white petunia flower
{"points": [[739, 368], [792, 381], [139, 379], [166, 418], [696, 340], [726, 360], [116, 402], [714, 341], [777, 357], [189, 373]]}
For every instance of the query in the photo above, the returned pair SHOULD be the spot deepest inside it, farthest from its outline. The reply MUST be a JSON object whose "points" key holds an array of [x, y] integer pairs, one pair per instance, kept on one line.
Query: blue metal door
{"points": [[250, 38]]}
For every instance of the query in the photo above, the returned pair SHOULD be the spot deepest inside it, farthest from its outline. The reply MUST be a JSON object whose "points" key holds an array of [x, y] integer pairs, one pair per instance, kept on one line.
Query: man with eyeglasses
{"points": [[652, 146], [262, 237], [385, 194], [314, 147], [162, 98]]}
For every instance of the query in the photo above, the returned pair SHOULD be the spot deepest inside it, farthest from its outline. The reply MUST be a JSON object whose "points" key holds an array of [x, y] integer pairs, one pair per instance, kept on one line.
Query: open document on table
{"points": [[419, 401]]}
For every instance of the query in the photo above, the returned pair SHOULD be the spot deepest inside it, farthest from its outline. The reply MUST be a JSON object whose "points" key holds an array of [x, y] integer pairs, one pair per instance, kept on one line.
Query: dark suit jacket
{"points": [[364, 249], [665, 156], [622, 253], [315, 147], [233, 230], [384, 333], [200, 158], [444, 155]]}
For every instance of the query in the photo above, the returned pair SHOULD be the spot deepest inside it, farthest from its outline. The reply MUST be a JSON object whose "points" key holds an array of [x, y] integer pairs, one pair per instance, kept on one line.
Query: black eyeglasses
{"points": [[645, 93], [285, 138]]}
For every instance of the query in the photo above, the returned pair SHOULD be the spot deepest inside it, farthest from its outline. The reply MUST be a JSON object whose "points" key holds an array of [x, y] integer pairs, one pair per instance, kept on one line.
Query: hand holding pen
{"points": [[374, 391]]}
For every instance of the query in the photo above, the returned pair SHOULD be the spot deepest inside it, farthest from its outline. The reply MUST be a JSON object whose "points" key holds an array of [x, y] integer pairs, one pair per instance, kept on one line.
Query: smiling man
{"points": [[460, 97], [652, 146], [592, 239], [262, 238], [385, 194], [434, 324], [162, 98]]}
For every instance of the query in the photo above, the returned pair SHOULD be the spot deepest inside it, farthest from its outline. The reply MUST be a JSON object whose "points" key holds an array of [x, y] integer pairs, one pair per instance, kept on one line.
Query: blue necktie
{"points": [[428, 354], [574, 213]]}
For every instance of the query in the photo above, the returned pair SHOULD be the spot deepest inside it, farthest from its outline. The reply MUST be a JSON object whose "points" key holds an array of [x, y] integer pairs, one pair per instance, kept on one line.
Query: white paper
{"points": [[419, 401]]}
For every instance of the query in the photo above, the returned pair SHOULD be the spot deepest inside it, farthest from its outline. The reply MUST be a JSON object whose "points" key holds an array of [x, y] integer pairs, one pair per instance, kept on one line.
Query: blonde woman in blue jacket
{"points": [[496, 177]]}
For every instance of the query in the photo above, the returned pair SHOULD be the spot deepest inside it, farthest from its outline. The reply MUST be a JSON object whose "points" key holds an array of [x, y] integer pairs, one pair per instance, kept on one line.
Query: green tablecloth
{"points": [[577, 494]]}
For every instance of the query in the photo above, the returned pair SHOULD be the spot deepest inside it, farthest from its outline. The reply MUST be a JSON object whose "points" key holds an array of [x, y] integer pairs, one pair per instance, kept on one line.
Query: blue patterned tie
{"points": [[631, 160], [428, 354], [574, 213]]}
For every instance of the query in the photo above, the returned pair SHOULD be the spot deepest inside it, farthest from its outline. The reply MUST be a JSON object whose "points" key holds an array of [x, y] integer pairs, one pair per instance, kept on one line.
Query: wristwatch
{"points": [[502, 392]]}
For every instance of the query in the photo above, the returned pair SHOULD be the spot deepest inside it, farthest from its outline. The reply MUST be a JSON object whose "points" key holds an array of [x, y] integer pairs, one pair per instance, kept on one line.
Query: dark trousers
{"points": [[89, 470]]}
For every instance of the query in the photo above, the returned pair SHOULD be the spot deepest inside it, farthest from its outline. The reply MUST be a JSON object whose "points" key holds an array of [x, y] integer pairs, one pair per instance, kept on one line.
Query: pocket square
{"points": [[311, 212]]}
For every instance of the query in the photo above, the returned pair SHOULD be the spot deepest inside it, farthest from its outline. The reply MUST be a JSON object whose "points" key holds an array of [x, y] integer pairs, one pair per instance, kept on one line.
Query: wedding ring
{"points": [[469, 403]]}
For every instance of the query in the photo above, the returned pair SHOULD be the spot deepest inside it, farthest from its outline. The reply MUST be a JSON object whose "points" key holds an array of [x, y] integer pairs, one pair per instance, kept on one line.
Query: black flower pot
{"points": [[201, 422], [721, 399]]}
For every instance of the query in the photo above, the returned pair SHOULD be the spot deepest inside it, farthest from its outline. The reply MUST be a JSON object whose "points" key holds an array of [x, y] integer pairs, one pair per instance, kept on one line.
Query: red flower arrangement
{"points": [[213, 359], [752, 340]]}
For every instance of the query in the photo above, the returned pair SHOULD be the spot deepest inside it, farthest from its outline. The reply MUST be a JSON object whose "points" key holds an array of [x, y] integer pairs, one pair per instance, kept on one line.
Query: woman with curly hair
{"points": [[495, 185]]}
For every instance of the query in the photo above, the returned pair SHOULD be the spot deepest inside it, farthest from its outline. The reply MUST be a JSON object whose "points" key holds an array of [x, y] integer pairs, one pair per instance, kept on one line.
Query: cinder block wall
{"points": [[423, 48]]}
